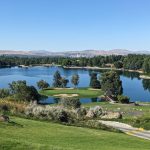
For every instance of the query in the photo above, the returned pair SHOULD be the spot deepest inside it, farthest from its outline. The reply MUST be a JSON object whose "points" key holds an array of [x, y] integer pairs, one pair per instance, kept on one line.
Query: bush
{"points": [[11, 106], [56, 113], [4, 93], [93, 112], [70, 102], [123, 99], [61, 115], [80, 113]]}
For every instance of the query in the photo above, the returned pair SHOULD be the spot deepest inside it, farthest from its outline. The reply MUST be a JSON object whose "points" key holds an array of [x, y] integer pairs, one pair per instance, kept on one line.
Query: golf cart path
{"points": [[138, 132]]}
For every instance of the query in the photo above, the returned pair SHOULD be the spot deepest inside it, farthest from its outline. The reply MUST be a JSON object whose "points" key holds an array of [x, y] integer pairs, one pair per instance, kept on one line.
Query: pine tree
{"points": [[75, 80], [57, 79]]}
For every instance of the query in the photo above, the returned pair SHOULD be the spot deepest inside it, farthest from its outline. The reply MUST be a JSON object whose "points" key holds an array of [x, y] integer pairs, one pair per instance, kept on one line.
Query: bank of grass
{"points": [[82, 92], [138, 116], [37, 135]]}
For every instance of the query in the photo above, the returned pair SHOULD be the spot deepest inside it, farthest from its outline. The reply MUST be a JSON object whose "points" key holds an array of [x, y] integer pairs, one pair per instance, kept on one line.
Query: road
{"points": [[138, 132]]}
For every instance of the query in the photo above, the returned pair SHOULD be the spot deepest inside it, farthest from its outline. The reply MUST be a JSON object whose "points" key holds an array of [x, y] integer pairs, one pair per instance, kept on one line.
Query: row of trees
{"points": [[130, 61], [64, 61], [59, 81]]}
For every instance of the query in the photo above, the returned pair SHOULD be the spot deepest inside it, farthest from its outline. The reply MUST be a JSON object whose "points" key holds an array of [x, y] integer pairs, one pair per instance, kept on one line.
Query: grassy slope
{"points": [[130, 113], [82, 92], [128, 109], [50, 136]]}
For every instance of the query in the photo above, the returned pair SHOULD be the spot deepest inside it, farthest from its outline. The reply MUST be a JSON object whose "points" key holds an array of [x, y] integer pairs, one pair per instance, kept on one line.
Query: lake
{"points": [[134, 87]]}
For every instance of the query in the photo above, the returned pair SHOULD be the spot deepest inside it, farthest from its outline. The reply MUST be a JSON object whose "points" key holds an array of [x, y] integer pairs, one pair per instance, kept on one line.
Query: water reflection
{"points": [[130, 75], [146, 84], [54, 100], [133, 86]]}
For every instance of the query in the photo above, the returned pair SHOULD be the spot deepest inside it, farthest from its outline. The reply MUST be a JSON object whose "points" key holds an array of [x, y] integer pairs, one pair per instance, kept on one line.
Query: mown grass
{"points": [[38, 135], [82, 92]]}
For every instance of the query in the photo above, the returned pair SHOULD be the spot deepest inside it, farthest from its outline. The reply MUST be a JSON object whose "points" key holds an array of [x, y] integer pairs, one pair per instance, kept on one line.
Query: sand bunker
{"points": [[66, 95], [63, 88]]}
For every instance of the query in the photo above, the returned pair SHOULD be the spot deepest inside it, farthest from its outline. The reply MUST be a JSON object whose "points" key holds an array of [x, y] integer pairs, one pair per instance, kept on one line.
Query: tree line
{"points": [[131, 61]]}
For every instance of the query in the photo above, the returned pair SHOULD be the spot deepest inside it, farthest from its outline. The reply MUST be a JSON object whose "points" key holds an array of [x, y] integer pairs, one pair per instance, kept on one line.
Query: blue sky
{"points": [[59, 25]]}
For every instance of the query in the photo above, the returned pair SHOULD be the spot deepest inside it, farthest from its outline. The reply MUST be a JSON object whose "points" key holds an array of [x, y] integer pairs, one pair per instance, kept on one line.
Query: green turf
{"points": [[129, 110], [138, 116], [38, 135], [82, 92]]}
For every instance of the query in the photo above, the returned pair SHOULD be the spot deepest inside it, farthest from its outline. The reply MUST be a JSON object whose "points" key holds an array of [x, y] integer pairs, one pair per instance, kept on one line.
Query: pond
{"points": [[134, 87], [55, 100]]}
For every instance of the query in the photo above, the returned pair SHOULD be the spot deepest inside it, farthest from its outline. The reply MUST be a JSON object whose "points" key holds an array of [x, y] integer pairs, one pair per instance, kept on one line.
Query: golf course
{"points": [[24, 134], [80, 92]]}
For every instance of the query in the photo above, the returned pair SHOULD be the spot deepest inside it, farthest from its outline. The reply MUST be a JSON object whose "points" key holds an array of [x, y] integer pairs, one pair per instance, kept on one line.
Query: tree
{"points": [[64, 82], [31, 94], [94, 82], [75, 80], [57, 79], [21, 91], [42, 84], [146, 65], [118, 64], [66, 62], [111, 83]]}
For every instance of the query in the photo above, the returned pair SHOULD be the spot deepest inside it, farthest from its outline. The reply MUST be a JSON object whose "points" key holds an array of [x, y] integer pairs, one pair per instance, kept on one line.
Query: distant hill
{"points": [[84, 53]]}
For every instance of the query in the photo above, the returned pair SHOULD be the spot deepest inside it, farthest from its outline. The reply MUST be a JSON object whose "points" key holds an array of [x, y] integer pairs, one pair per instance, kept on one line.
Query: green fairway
{"points": [[82, 92], [30, 134]]}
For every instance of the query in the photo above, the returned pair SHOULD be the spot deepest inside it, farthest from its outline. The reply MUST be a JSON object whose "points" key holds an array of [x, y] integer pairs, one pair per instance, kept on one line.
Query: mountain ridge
{"points": [[82, 53]]}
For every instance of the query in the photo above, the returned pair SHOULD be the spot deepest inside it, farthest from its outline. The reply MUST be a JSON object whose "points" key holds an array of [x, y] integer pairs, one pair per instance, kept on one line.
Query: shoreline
{"points": [[100, 68], [108, 68], [142, 76], [145, 77]]}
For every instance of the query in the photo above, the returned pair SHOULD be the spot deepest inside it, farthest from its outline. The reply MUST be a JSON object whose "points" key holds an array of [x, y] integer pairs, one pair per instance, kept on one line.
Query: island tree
{"points": [[94, 82], [75, 80], [42, 84], [57, 79], [64, 82], [111, 83]]}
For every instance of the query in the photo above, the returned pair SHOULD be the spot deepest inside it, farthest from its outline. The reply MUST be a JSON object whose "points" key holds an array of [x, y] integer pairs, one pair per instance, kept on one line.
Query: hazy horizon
{"points": [[74, 25], [79, 50]]}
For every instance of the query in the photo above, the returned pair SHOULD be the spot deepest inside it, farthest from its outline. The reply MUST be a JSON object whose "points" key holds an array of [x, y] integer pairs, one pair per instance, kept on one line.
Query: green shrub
{"points": [[70, 102], [4, 93], [123, 99]]}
